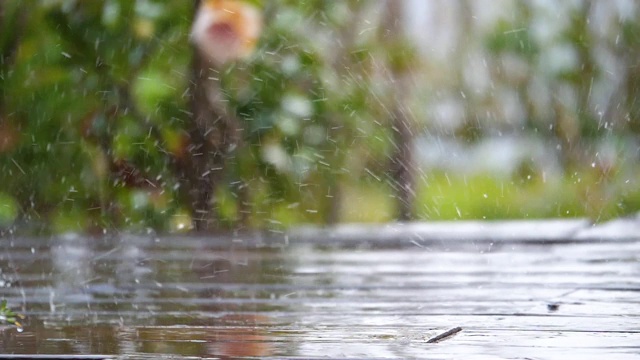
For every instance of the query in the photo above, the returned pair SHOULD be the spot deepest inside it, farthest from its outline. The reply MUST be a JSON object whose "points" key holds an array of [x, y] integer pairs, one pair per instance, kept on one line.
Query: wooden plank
{"points": [[169, 297], [428, 233]]}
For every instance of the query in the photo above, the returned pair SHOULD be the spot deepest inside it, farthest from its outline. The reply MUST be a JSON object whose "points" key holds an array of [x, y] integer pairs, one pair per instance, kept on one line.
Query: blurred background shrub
{"points": [[360, 111]]}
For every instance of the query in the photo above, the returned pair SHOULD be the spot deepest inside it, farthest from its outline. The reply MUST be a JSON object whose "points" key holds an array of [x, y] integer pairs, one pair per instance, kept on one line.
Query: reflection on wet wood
{"points": [[142, 297]]}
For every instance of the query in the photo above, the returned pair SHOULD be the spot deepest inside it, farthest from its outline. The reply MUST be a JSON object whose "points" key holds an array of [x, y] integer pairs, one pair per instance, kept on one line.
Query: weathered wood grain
{"points": [[301, 296]]}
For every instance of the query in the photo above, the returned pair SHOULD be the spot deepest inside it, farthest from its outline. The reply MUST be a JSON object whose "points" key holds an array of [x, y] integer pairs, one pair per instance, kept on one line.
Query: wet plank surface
{"points": [[324, 294]]}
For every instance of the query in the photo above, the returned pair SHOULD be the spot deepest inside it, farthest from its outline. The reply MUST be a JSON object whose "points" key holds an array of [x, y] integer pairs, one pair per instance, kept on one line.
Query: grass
{"points": [[439, 196]]}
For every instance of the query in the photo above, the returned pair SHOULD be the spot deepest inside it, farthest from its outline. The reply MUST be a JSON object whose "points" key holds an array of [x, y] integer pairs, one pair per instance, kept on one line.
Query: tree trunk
{"points": [[212, 133], [401, 165]]}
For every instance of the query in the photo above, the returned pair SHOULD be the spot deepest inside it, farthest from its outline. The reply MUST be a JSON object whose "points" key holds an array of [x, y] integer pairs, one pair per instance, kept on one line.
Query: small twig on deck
{"points": [[445, 335]]}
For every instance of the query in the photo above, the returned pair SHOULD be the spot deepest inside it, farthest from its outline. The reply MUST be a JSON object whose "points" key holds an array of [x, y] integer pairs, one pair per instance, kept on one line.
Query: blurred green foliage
{"points": [[93, 112], [77, 100], [95, 103]]}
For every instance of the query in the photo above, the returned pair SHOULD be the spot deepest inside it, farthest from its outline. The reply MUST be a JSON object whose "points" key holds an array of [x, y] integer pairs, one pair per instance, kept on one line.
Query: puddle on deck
{"points": [[193, 297]]}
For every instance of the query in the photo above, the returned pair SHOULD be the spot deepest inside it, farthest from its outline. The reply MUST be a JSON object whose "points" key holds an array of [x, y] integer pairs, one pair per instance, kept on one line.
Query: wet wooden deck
{"points": [[517, 290]]}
